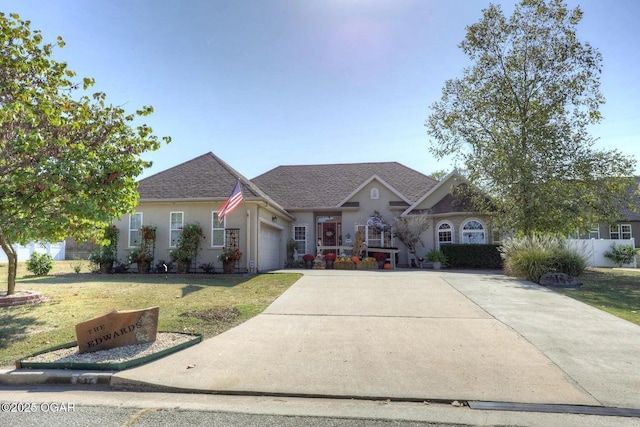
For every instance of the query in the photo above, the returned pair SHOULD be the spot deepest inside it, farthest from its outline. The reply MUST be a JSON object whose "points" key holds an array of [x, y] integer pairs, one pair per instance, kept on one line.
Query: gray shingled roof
{"points": [[633, 191], [206, 176], [324, 186]]}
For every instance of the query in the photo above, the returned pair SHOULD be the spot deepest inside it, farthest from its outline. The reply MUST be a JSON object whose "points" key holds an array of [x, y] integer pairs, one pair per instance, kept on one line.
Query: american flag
{"points": [[232, 202]]}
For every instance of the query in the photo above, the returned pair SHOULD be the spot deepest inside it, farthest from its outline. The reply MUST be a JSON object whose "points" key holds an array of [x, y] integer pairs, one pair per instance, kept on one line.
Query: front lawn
{"points": [[195, 303], [612, 290]]}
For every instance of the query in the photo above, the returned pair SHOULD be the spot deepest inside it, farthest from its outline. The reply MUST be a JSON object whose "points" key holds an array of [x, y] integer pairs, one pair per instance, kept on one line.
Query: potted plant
{"points": [[308, 261], [229, 257], [230, 254], [437, 258], [144, 253], [182, 258], [105, 255], [380, 258], [329, 259], [188, 246], [142, 258]]}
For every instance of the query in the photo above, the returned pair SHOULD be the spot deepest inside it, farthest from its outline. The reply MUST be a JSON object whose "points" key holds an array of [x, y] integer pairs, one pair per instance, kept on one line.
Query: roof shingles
{"points": [[205, 176], [324, 186]]}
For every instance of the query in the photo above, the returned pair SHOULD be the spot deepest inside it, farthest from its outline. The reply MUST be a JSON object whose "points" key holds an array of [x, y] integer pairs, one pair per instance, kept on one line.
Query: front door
{"points": [[329, 234]]}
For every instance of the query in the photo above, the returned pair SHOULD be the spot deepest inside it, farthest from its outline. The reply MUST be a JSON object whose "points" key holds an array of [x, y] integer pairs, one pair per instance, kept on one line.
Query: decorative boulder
{"points": [[559, 280]]}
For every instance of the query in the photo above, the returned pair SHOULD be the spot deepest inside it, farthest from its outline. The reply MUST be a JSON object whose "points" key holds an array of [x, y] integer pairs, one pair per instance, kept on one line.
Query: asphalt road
{"points": [[72, 406], [116, 416]]}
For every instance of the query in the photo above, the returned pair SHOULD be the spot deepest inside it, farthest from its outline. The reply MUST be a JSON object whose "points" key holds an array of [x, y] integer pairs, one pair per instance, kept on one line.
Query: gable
{"points": [[324, 186], [437, 194], [374, 188]]}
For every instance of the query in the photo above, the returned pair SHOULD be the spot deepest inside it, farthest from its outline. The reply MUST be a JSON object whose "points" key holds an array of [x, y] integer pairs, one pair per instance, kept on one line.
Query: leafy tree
{"points": [[68, 160], [439, 174], [518, 120], [408, 230]]}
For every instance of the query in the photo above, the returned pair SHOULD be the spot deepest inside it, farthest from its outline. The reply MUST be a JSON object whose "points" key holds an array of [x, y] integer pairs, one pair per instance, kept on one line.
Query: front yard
{"points": [[615, 291], [197, 303]]}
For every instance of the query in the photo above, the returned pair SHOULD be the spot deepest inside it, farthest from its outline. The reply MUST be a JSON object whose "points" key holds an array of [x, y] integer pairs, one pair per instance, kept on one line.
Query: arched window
{"points": [[445, 234], [375, 194], [473, 232]]}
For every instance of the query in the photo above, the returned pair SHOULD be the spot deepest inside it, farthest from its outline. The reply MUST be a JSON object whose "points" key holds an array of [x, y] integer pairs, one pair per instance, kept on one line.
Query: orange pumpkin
{"points": [[355, 259], [387, 266]]}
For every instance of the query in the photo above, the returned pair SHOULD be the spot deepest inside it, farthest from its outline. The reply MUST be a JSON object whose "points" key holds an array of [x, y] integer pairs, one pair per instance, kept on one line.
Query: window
{"points": [[594, 233], [300, 237], [175, 228], [445, 234], [217, 230], [375, 194], [375, 237], [620, 231], [135, 222], [473, 232]]}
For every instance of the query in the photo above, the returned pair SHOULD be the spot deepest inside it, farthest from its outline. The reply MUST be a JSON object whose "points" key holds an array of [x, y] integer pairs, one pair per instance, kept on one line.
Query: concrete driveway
{"points": [[414, 335]]}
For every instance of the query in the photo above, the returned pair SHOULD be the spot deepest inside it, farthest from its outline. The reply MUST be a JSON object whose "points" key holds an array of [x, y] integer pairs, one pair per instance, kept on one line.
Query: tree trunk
{"points": [[13, 264]]}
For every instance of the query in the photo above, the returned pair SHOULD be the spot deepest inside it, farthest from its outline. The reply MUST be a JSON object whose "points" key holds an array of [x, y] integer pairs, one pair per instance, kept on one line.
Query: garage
{"points": [[269, 239]]}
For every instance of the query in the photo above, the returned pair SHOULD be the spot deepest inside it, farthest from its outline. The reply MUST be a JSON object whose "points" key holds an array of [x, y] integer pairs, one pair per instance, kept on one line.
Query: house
{"points": [[628, 224], [319, 207]]}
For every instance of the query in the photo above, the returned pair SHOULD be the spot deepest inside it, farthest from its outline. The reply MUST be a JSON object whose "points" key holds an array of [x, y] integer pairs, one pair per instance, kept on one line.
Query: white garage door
{"points": [[269, 248]]}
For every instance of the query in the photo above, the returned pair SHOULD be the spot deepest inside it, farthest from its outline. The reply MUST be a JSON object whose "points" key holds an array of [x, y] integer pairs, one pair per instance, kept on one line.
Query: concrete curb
{"points": [[53, 376]]}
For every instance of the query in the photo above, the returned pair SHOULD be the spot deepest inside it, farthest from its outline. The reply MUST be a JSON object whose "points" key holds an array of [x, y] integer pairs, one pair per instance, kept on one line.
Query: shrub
{"points": [[107, 252], [189, 243], [330, 256], [472, 256], [621, 255], [529, 263], [569, 261], [40, 264], [531, 257], [435, 255]]}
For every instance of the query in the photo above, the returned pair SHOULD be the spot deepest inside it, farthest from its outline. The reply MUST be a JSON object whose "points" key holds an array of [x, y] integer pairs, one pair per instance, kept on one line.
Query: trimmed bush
{"points": [[40, 264], [472, 256]]}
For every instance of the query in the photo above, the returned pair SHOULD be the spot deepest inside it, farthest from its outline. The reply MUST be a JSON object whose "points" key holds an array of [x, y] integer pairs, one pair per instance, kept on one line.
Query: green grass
{"points": [[612, 290], [73, 298]]}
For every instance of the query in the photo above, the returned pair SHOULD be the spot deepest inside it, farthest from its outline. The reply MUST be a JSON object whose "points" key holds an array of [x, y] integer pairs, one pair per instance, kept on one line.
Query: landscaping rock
{"points": [[559, 280]]}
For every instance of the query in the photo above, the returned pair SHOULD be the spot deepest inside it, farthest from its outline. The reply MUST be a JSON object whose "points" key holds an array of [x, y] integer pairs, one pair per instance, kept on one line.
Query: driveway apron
{"points": [[412, 335]]}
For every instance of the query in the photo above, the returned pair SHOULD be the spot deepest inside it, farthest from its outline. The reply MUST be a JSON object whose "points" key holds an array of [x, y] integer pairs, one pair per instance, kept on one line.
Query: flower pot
{"points": [[381, 264], [144, 267], [227, 267], [184, 266], [308, 264], [106, 267], [329, 263], [437, 265]]}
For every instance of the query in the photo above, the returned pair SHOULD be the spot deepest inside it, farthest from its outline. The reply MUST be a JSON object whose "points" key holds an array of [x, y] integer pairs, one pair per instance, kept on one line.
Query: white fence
{"points": [[56, 250], [594, 250]]}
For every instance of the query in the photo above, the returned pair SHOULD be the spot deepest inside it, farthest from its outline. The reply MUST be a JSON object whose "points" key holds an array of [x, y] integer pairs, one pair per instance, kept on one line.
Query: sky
{"points": [[265, 83]]}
